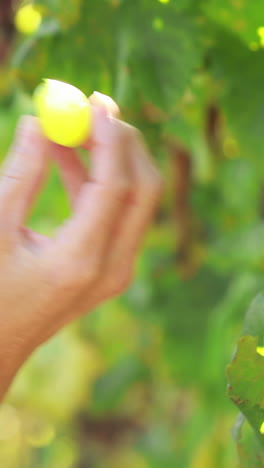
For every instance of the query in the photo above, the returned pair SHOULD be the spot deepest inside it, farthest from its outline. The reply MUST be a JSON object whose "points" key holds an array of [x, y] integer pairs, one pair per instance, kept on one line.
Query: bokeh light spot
{"points": [[158, 24], [261, 429], [260, 350], [9, 422], [38, 432], [27, 19], [260, 32]]}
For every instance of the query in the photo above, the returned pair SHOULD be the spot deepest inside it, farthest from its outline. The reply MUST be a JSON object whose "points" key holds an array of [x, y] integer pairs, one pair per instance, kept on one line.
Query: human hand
{"points": [[47, 282]]}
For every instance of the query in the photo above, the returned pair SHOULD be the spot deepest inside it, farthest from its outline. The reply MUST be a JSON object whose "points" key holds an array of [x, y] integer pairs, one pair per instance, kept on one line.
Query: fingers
{"points": [[34, 240], [23, 171], [112, 211], [148, 187], [136, 214], [101, 199], [72, 171], [136, 217], [110, 106], [147, 182]]}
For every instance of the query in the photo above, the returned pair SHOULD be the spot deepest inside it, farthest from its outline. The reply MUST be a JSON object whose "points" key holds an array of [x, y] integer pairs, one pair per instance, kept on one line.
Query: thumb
{"points": [[23, 171]]}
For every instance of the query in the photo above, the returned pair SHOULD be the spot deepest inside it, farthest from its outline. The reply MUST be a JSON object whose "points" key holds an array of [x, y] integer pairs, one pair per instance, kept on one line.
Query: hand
{"points": [[46, 283]]}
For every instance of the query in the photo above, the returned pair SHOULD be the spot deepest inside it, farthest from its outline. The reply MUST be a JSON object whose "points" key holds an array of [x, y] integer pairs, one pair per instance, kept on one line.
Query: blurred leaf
{"points": [[254, 319], [111, 387], [239, 16], [246, 369], [244, 109], [157, 355]]}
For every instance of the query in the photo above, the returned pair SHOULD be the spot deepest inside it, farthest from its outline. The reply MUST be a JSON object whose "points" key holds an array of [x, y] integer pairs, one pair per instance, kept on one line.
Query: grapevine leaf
{"points": [[67, 11], [238, 73], [241, 17], [150, 53], [254, 320], [246, 384]]}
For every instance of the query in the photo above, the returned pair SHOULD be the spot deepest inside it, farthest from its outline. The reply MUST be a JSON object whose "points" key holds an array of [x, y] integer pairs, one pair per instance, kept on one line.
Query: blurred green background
{"points": [[141, 383]]}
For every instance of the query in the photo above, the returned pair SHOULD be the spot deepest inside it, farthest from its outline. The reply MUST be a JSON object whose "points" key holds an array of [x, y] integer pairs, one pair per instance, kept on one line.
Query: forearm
{"points": [[7, 374], [8, 370]]}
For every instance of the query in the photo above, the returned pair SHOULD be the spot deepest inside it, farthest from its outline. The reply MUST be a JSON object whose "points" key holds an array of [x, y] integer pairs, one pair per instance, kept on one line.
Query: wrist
{"points": [[14, 350]]}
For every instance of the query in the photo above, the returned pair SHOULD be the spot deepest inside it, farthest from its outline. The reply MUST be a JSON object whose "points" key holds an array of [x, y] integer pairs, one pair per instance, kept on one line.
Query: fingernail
{"points": [[102, 100], [99, 98]]}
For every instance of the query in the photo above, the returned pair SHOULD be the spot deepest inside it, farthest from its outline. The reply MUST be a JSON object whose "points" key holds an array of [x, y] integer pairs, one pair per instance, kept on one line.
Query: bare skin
{"points": [[48, 282]]}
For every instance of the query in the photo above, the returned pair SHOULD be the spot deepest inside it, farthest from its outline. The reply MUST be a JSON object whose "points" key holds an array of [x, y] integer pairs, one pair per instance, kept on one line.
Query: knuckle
{"points": [[9, 175]]}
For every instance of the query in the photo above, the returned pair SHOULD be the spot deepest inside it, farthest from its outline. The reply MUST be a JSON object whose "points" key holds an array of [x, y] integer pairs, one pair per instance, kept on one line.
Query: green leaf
{"points": [[112, 386], [254, 319], [248, 447], [162, 62], [67, 11], [242, 17], [246, 384], [239, 74], [246, 388], [125, 54]]}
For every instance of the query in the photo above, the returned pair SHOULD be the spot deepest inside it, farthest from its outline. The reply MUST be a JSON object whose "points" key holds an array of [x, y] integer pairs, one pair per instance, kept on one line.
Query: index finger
{"points": [[72, 170], [106, 102], [101, 198]]}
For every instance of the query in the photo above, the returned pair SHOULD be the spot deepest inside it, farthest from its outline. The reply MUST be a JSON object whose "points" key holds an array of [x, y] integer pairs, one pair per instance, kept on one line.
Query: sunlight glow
{"points": [[27, 19], [260, 350], [260, 32]]}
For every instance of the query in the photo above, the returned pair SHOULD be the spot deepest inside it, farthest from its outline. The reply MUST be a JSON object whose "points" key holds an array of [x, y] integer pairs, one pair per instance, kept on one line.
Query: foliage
{"points": [[141, 382]]}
